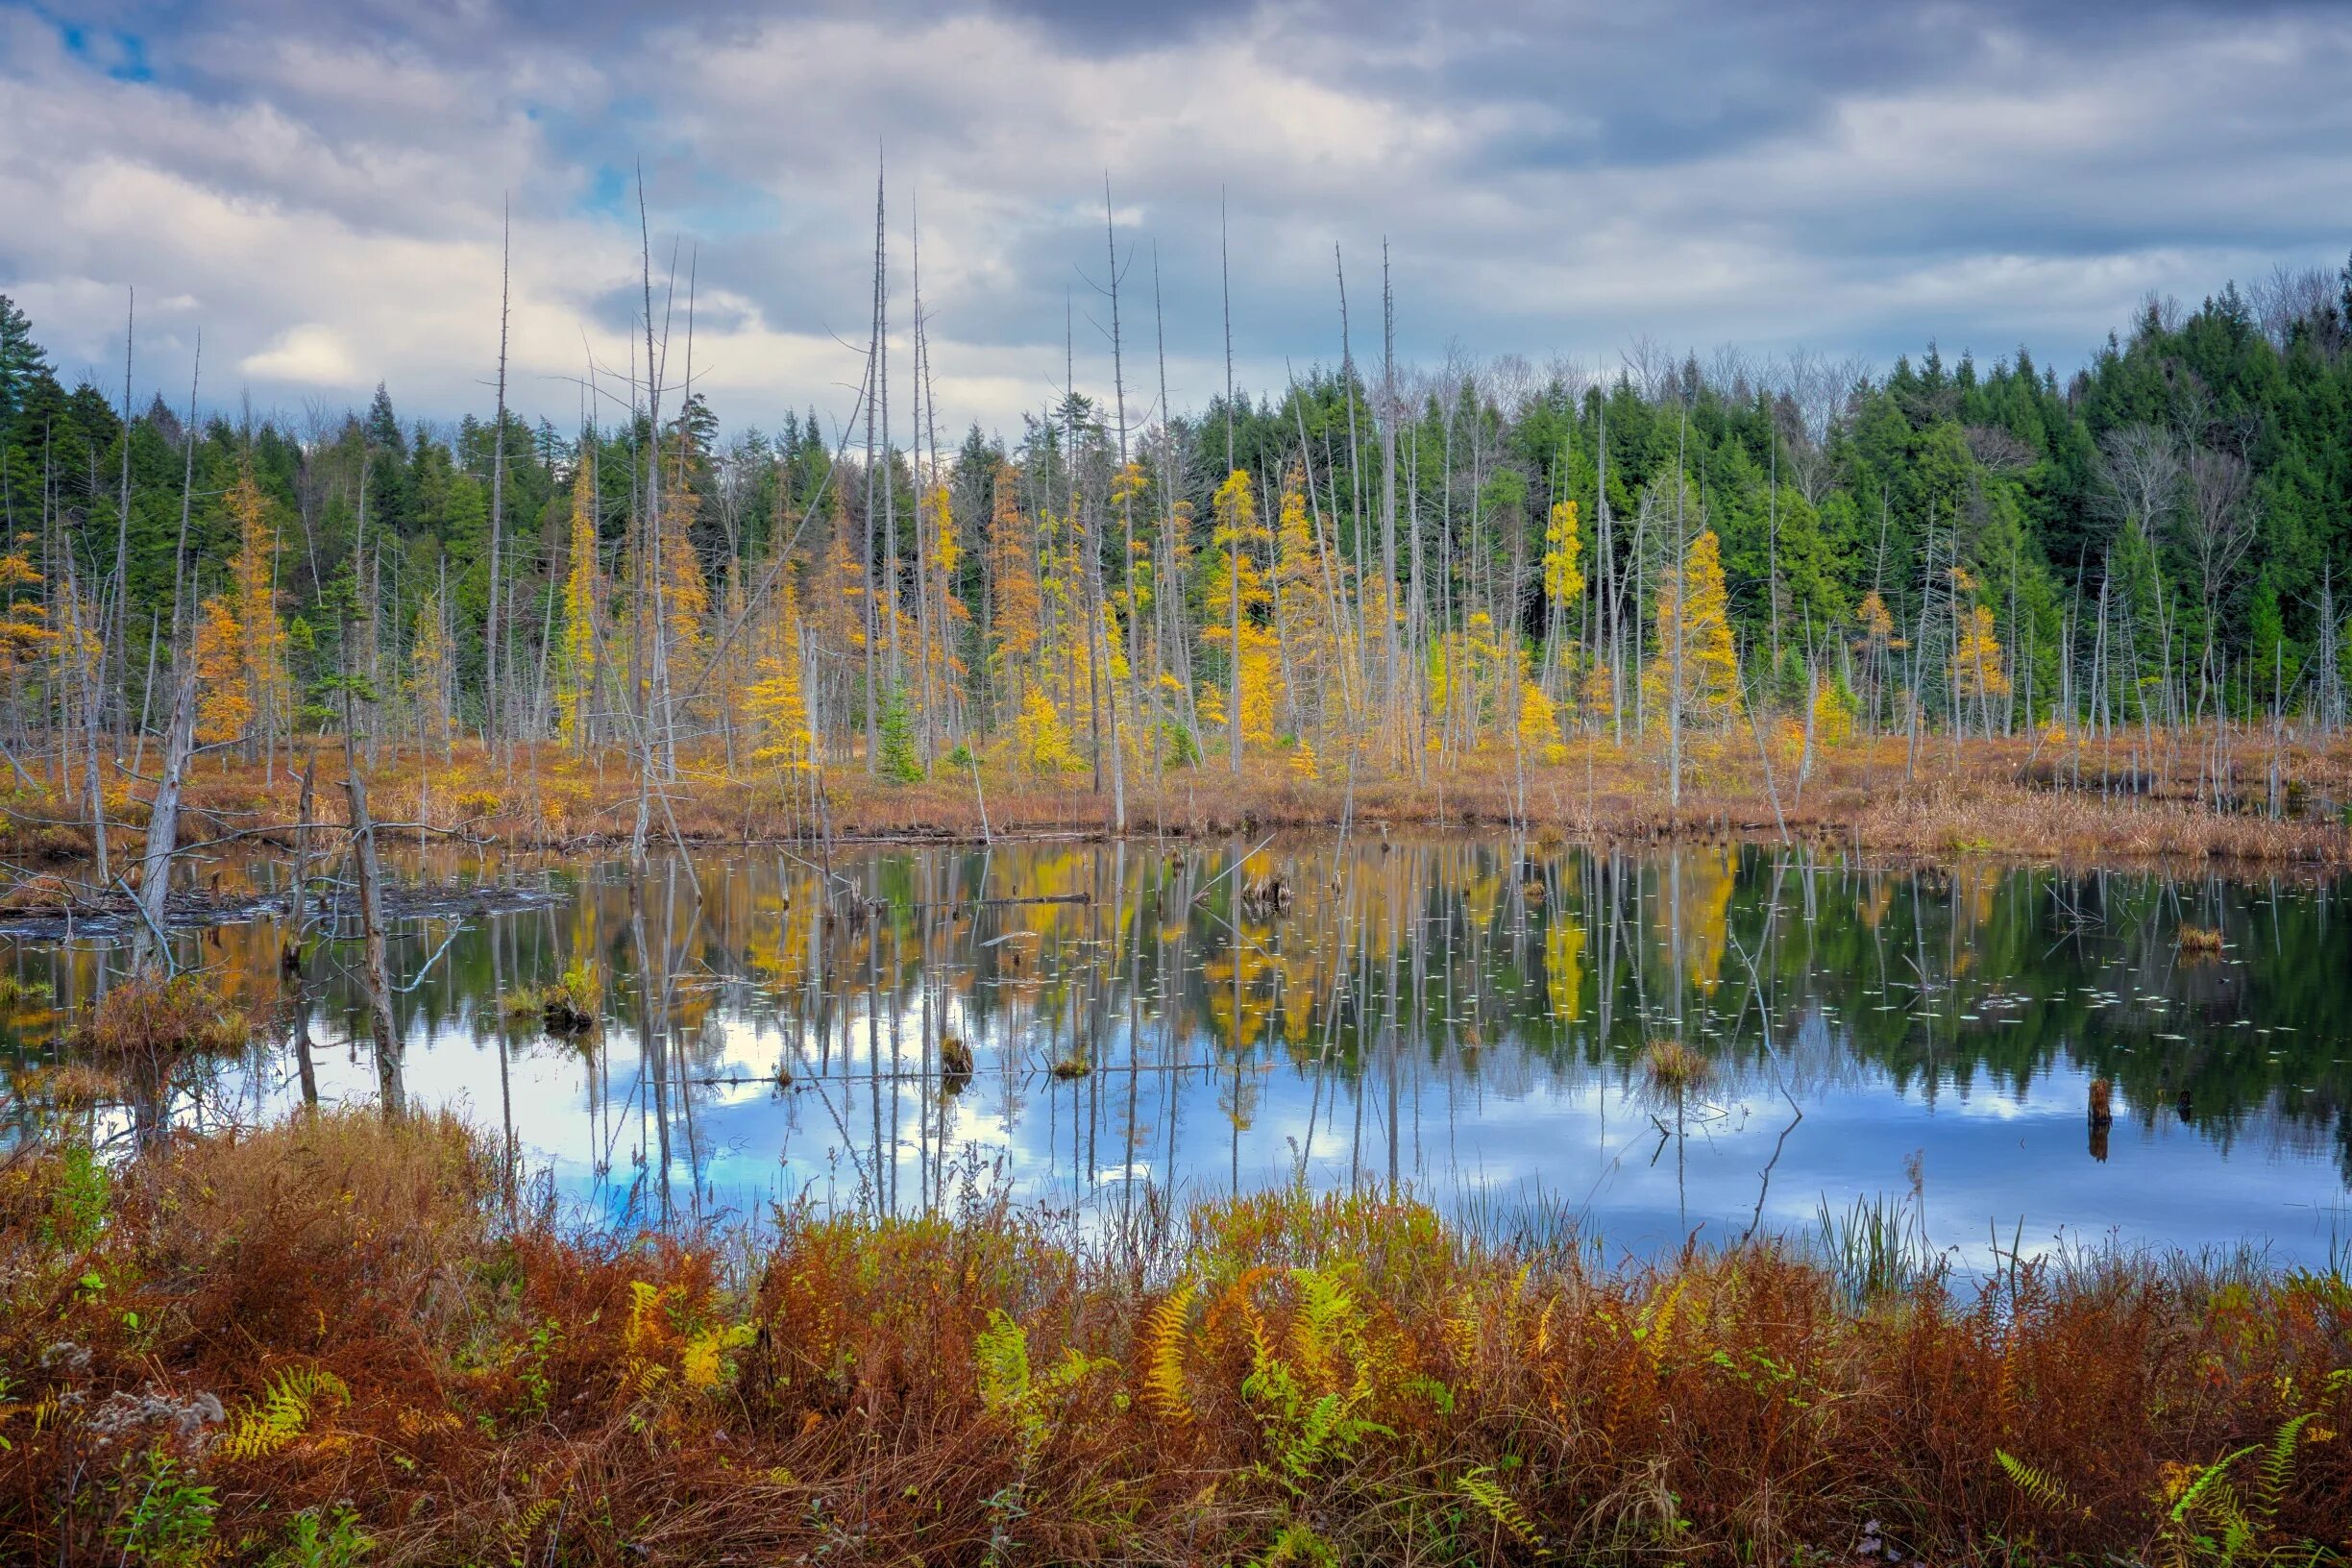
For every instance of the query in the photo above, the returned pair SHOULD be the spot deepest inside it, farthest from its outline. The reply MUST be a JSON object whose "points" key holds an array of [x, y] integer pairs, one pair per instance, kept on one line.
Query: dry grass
{"points": [[330, 1321], [147, 1016], [1674, 1067], [2204, 940], [2114, 800]]}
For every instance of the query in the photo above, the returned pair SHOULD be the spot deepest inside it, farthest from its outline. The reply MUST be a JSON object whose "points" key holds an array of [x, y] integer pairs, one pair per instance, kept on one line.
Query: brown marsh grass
{"points": [[149, 1015], [2113, 801]]}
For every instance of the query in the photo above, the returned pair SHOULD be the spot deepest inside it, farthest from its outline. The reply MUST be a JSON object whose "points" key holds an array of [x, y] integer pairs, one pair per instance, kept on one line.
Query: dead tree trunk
{"points": [[375, 978], [164, 816]]}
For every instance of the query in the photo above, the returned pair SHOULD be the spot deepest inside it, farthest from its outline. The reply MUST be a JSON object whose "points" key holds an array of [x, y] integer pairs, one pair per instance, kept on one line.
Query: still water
{"points": [[1468, 1020]]}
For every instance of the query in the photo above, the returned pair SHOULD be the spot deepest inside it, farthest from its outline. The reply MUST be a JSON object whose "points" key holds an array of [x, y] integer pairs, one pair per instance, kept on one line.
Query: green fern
{"points": [[520, 1529], [1010, 1389], [1002, 1350], [1297, 1546], [2211, 1522], [281, 1414], [1498, 1504], [2278, 1464], [1326, 1320], [2040, 1486]]}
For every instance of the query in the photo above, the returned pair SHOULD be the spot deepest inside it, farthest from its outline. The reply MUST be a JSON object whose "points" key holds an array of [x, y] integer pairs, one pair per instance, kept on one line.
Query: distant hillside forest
{"points": [[1372, 569]]}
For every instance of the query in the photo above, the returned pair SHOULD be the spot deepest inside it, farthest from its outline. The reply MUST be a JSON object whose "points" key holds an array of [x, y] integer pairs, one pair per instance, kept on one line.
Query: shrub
{"points": [[150, 1016]]}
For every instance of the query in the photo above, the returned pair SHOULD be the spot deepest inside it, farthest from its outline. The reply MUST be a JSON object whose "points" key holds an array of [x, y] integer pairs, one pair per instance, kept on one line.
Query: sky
{"points": [[320, 189]]}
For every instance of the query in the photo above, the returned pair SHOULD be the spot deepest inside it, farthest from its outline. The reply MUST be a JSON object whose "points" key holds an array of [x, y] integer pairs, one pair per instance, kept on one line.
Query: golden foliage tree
{"points": [[224, 710], [1978, 668], [777, 703], [240, 639], [1015, 627], [430, 684], [1563, 554], [1693, 626], [1254, 673], [576, 654], [25, 633]]}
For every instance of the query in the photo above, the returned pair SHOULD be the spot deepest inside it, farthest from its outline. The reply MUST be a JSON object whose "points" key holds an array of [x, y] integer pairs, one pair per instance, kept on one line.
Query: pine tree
{"points": [[901, 755], [22, 363]]}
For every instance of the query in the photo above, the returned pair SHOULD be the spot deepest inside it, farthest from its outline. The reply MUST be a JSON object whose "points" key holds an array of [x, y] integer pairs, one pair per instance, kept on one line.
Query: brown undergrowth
{"points": [[328, 1338]]}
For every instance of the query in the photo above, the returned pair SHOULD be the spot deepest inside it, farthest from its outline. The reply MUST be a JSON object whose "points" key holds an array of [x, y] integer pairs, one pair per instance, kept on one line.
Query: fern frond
{"points": [[1480, 1487], [644, 1298], [2209, 1491], [2278, 1464], [1002, 1351], [1325, 1324], [1462, 1323], [1651, 1325], [1298, 1546], [281, 1414], [1163, 1354], [524, 1525], [2041, 1487], [1314, 1434]]}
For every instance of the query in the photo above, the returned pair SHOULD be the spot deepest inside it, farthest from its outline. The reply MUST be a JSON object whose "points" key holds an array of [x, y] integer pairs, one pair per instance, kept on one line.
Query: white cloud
{"points": [[311, 354]]}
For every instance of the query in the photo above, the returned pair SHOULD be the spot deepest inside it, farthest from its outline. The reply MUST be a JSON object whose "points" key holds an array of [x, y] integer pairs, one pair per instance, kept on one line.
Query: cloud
{"points": [[311, 354], [322, 189]]}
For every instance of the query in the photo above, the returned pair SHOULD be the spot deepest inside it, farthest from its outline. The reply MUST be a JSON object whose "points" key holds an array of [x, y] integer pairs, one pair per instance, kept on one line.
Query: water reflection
{"points": [[1092, 1024]]}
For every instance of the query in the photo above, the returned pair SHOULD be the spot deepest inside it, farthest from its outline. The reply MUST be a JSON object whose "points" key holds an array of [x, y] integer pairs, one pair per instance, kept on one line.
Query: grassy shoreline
{"points": [[2116, 801], [336, 1333]]}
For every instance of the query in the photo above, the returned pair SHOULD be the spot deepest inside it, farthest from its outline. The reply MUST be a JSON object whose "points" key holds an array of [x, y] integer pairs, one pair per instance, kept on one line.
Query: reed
{"points": [[1674, 1067], [2200, 939]]}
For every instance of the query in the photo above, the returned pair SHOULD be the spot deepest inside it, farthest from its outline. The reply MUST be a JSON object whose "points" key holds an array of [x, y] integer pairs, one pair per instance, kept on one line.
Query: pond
{"points": [[1477, 1022]]}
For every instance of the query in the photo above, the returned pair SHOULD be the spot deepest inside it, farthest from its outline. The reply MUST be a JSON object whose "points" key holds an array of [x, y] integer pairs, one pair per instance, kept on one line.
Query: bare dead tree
{"points": [[2140, 468]]}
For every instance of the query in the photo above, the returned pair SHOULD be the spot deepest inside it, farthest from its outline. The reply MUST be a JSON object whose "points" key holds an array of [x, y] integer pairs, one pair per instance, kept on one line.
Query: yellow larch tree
{"points": [[1701, 638], [25, 633], [1539, 728], [240, 640], [685, 591], [1978, 668], [223, 711], [950, 616], [1255, 668], [777, 703], [1017, 610], [1302, 606], [431, 682], [1563, 554], [583, 598]]}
